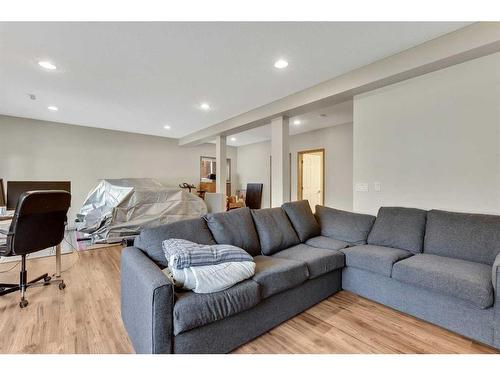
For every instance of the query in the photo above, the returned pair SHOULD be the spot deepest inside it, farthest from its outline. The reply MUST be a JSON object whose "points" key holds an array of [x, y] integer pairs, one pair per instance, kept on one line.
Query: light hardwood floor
{"points": [[85, 318]]}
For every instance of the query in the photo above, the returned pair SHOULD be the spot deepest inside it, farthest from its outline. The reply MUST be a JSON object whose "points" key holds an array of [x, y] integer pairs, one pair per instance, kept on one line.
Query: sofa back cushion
{"points": [[472, 237], [235, 228], [274, 229], [343, 225], [399, 227], [150, 239], [302, 219]]}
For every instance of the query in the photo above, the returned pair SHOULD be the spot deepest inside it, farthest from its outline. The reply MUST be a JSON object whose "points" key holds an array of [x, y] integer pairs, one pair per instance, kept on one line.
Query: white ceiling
{"points": [[322, 118], [138, 77]]}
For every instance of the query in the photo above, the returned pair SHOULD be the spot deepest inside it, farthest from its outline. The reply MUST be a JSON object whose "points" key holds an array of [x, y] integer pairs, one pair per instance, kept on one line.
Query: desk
{"points": [[5, 224]]}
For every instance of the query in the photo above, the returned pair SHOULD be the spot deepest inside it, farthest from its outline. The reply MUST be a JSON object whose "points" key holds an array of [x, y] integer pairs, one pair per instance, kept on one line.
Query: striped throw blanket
{"points": [[183, 254]]}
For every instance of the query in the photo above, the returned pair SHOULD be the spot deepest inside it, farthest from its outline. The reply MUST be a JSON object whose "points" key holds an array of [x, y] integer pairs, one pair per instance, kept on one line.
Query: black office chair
{"points": [[38, 223]]}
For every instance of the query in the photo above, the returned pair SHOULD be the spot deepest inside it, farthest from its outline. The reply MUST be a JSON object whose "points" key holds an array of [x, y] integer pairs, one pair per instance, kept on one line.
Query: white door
{"points": [[312, 178]]}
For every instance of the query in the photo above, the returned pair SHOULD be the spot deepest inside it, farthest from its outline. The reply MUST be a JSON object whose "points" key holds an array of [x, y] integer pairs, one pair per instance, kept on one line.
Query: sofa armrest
{"points": [[495, 276], [147, 301]]}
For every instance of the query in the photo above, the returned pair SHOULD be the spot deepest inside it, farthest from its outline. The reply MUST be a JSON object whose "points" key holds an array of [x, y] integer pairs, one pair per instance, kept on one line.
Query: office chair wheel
{"points": [[46, 280], [23, 303], [62, 285]]}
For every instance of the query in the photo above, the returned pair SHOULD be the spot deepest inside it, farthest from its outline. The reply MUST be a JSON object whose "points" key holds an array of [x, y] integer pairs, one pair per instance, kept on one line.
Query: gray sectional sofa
{"points": [[440, 266]]}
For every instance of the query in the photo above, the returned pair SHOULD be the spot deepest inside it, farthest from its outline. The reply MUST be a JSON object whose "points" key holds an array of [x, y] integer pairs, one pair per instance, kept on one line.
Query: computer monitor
{"points": [[16, 188]]}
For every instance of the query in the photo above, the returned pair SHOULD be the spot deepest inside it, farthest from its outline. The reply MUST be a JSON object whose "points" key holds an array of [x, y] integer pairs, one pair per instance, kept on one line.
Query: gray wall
{"points": [[39, 150], [253, 163], [432, 141]]}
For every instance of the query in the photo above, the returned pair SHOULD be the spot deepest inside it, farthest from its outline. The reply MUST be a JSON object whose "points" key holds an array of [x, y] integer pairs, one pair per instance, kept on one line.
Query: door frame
{"points": [[300, 159]]}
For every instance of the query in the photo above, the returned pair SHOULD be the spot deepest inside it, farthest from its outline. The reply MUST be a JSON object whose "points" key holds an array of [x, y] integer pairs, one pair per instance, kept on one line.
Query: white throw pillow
{"points": [[213, 278]]}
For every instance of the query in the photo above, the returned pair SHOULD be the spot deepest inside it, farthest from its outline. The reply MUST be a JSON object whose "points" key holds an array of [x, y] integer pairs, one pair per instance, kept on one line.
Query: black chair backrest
{"points": [[253, 198], [39, 221]]}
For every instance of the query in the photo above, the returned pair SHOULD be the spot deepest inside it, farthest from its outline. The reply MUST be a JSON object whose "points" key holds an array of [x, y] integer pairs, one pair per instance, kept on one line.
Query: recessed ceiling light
{"points": [[233, 139], [281, 64], [166, 127], [52, 108], [297, 122], [205, 106], [47, 65]]}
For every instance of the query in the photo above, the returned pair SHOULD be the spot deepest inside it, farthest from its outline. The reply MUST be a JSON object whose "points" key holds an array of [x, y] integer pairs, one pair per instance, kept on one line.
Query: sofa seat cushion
{"points": [[235, 228], [399, 227], [318, 261], [343, 225], [326, 243], [274, 229], [302, 219], [458, 278], [276, 275], [193, 310], [378, 259]]}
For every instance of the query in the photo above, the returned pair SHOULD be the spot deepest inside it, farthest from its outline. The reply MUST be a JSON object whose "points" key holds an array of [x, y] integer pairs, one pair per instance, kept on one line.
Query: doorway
{"points": [[311, 176]]}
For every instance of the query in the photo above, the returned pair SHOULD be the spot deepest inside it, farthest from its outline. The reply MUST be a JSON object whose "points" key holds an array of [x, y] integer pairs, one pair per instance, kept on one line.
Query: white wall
{"points": [[256, 167], [39, 150], [253, 163], [432, 141]]}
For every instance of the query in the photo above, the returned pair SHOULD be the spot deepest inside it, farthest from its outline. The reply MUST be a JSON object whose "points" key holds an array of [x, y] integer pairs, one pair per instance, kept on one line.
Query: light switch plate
{"points": [[377, 186], [362, 187]]}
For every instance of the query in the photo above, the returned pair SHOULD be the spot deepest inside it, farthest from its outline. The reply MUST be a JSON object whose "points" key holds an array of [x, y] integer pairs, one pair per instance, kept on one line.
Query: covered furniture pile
{"points": [[120, 208]]}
